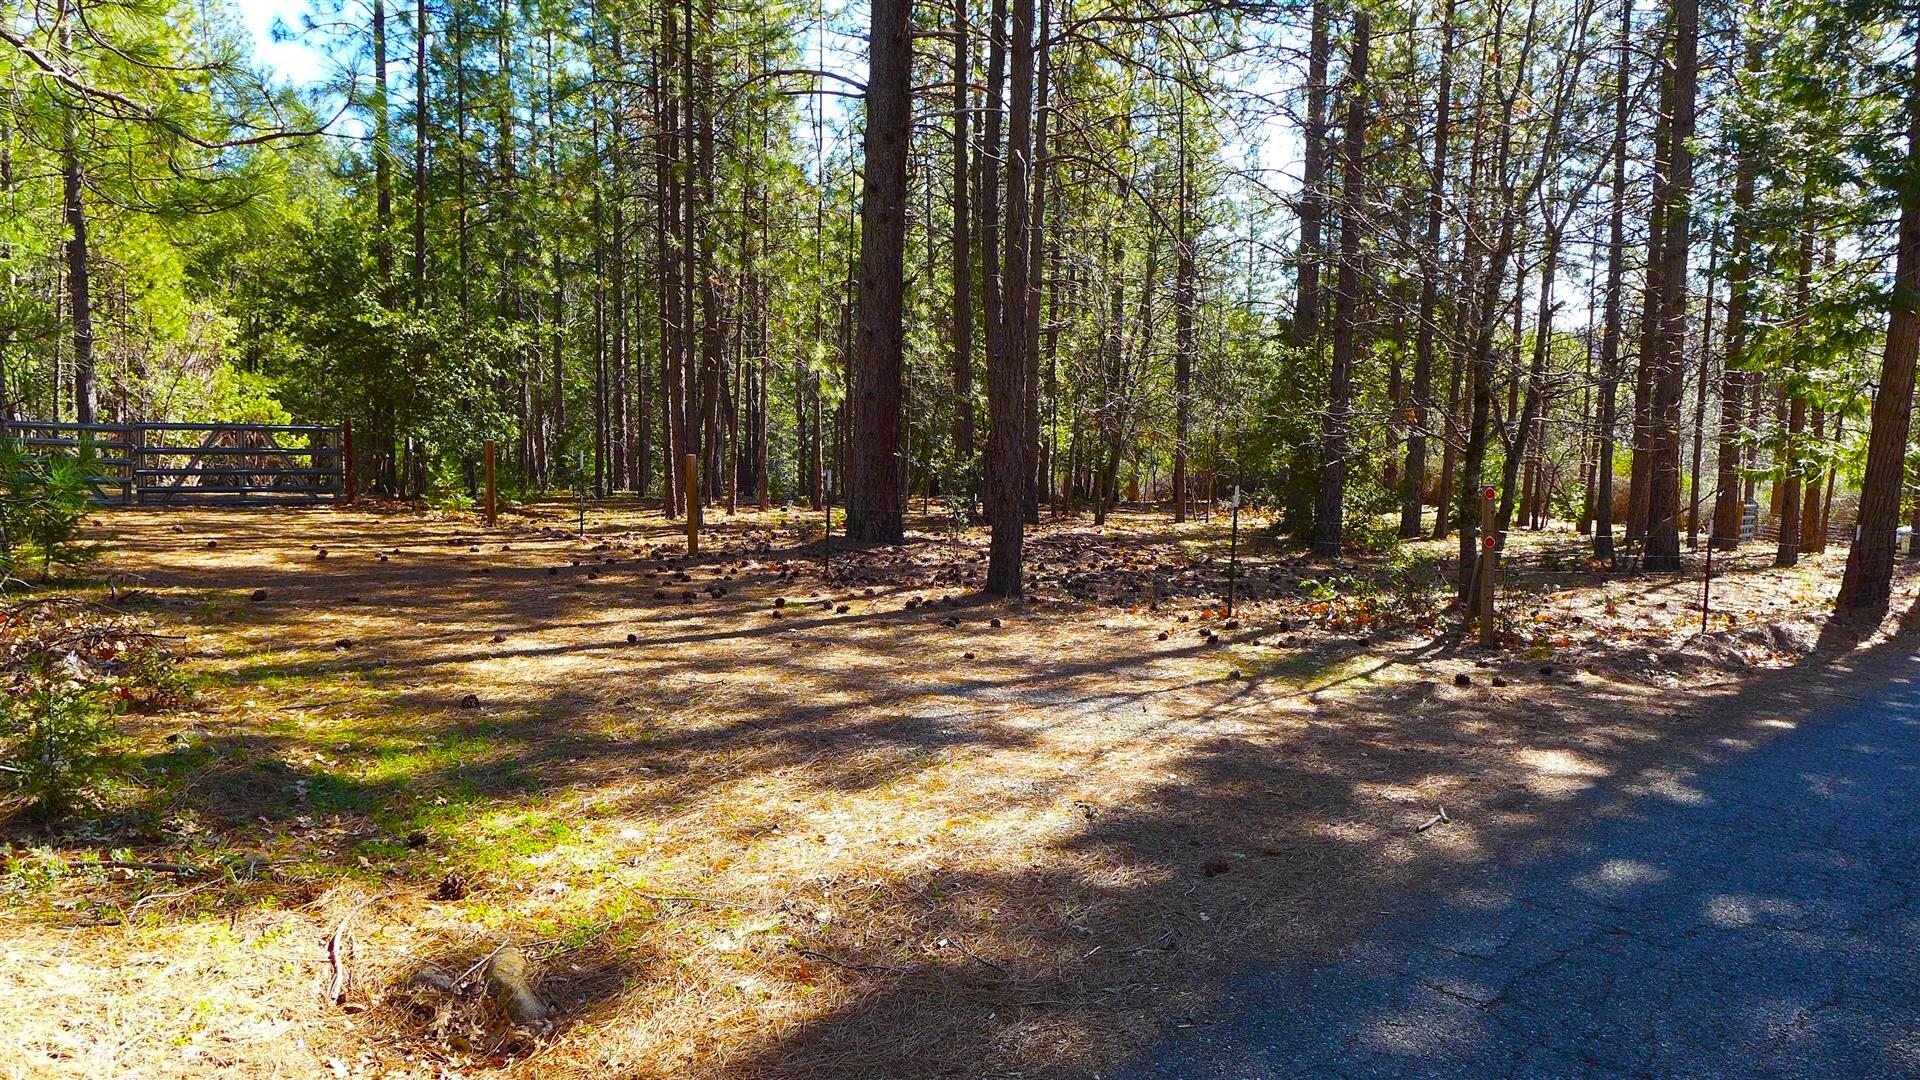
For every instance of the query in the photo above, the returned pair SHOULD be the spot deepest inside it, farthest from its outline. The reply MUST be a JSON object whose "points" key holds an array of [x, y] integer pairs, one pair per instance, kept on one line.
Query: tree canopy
{"points": [[1359, 260]]}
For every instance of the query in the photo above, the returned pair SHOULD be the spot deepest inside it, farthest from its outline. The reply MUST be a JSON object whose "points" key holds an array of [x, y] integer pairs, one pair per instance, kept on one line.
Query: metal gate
{"points": [[200, 464]]}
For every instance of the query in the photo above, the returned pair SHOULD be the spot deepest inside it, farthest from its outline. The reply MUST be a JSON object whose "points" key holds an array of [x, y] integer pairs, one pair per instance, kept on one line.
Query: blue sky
{"points": [[291, 60], [305, 63]]}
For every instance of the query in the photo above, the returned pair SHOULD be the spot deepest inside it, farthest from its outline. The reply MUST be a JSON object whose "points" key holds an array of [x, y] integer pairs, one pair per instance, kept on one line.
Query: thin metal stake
{"points": [[1706, 584], [1490, 558]]}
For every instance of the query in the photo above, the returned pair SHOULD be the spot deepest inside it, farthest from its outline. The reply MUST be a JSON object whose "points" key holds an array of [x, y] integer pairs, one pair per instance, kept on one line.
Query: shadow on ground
{"points": [[1063, 831]]}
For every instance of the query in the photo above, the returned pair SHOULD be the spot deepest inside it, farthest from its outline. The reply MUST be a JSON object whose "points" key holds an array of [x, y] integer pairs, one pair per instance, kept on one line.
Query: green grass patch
{"points": [[1303, 668]]}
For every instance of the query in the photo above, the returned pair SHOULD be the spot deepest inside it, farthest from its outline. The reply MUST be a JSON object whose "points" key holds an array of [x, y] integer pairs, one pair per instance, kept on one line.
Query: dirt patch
{"points": [[742, 818]]}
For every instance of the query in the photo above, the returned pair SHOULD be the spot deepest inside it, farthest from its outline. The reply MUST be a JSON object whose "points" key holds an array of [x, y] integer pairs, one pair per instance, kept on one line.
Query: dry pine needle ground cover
{"points": [[742, 820]]}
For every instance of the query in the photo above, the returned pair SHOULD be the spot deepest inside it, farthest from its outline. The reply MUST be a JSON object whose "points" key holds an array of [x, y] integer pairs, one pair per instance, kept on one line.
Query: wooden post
{"points": [[1489, 565], [691, 485], [346, 456], [492, 506], [136, 441]]}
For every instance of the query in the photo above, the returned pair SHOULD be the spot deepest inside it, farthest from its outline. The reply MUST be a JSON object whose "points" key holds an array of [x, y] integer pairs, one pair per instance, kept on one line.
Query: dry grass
{"points": [[764, 840]]}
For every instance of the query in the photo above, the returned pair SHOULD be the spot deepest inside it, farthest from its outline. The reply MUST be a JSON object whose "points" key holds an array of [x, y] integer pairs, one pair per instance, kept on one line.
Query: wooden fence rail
{"points": [[199, 464]]}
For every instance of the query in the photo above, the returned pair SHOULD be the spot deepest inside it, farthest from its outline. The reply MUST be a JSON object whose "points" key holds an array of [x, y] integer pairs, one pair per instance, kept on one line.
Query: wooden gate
{"points": [[200, 464]]}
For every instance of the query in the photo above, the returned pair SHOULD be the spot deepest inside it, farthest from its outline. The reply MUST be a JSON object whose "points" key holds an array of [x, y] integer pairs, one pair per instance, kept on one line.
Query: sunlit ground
{"points": [[753, 821]]}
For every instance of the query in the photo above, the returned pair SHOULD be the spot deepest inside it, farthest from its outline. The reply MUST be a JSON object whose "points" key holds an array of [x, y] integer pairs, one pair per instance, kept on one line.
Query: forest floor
{"points": [[747, 821]]}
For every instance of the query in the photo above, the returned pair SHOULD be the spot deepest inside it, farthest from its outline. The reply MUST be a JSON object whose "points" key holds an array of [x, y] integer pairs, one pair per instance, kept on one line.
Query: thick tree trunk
{"points": [[382, 156], [1306, 294], [1303, 459], [692, 375], [1610, 325], [389, 474], [1729, 506], [1008, 471], [1787, 547], [1330, 504], [989, 161], [874, 510], [1414, 475], [1036, 234], [963, 416], [1652, 294], [667, 271], [420, 81], [86, 400], [1662, 544]]}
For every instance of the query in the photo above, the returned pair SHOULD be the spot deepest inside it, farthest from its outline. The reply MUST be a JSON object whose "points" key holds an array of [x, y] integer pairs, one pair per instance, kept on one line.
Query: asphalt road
{"points": [[1759, 922]]}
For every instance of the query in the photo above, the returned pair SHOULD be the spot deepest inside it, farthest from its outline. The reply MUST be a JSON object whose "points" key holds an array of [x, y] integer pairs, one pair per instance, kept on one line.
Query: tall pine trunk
{"points": [[1336, 433], [1306, 294], [86, 400], [1036, 236], [420, 80], [1008, 472], [874, 510], [1610, 325], [963, 417], [1788, 489], [1662, 543], [1414, 475], [1729, 506], [1867, 583]]}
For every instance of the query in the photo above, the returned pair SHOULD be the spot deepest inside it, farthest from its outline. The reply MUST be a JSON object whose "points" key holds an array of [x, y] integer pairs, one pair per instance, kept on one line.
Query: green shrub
{"points": [[68, 670], [1371, 534], [43, 503], [1407, 590], [56, 738]]}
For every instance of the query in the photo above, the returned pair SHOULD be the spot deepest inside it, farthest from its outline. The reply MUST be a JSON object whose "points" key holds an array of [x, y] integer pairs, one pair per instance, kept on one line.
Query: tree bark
{"points": [[1330, 504], [1610, 325], [1306, 294], [963, 415], [1662, 544], [1787, 547], [1414, 475], [1729, 506], [1036, 234], [1007, 471], [86, 401], [874, 510], [420, 79]]}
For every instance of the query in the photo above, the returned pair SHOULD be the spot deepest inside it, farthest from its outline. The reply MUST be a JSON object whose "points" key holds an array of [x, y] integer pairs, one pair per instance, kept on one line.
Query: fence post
{"points": [[691, 485], [1490, 562], [491, 505], [136, 441], [346, 456]]}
